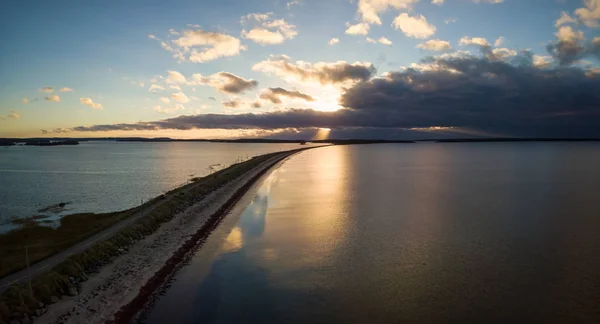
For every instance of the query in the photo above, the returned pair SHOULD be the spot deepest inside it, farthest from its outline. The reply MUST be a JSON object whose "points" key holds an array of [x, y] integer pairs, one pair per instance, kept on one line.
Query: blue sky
{"points": [[106, 55]]}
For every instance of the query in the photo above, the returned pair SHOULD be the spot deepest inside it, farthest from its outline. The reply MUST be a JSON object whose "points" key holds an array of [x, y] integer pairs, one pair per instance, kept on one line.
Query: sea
{"points": [[106, 176], [405, 233]]}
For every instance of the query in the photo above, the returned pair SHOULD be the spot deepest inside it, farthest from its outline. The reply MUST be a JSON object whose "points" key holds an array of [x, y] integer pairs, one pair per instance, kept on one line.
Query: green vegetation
{"points": [[18, 302]]}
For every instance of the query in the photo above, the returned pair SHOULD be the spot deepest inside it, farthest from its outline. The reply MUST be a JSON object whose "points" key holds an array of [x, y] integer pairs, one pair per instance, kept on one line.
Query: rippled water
{"points": [[425, 233], [99, 176]]}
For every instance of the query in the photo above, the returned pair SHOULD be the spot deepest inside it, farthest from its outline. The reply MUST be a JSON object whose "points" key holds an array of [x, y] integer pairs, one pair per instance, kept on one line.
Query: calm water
{"points": [[106, 176], [426, 233]]}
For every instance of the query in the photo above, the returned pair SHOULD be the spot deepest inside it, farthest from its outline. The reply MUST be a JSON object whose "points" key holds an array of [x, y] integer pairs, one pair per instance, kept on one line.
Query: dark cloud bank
{"points": [[475, 95]]}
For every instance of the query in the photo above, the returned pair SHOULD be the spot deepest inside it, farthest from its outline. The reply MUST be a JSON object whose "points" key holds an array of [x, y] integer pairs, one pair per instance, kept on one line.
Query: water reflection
{"points": [[418, 234]]}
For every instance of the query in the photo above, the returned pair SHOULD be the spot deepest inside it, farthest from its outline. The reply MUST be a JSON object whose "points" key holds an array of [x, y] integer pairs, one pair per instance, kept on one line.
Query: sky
{"points": [[397, 69]]}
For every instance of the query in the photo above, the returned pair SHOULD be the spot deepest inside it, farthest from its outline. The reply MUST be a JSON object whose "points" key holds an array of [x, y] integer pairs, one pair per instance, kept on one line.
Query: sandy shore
{"points": [[118, 283]]}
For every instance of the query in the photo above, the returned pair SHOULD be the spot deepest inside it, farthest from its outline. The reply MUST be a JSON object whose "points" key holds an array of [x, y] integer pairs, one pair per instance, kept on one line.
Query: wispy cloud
{"points": [[334, 41], [198, 46], [265, 30], [321, 72], [47, 89], [11, 115], [274, 95], [435, 45], [66, 89]]}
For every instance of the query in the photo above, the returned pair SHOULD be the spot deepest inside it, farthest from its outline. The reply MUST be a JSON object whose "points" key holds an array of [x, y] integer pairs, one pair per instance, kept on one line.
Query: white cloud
{"points": [[564, 19], [566, 33], [369, 10], [90, 103], [334, 41], [165, 99], [503, 53], [168, 110], [174, 77], [473, 41], [371, 40], [590, 14], [175, 87], [449, 21], [499, 41], [358, 29], [25, 100], [267, 31], [385, 41], [156, 88], [47, 89], [66, 89], [199, 46], [437, 2], [416, 27], [180, 97], [53, 98], [435, 45]]}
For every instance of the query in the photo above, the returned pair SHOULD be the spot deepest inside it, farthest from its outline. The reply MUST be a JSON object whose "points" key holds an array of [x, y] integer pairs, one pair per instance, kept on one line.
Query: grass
{"points": [[44, 241]]}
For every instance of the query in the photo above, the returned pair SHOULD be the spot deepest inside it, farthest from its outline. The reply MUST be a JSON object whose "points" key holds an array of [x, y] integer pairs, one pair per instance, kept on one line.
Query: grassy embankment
{"points": [[42, 242]]}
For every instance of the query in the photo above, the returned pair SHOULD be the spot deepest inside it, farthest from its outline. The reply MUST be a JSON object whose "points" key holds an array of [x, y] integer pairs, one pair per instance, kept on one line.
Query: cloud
{"points": [[416, 27], [571, 46], [358, 29], [322, 73], [566, 33], [369, 10], [371, 40], [174, 77], [53, 98], [198, 46], [437, 2], [11, 115], [168, 110], [449, 21], [66, 89], [385, 41], [488, 1], [499, 41], [473, 41], [225, 82], [165, 99], [293, 2], [180, 97], [267, 31], [47, 89], [334, 41], [564, 19], [90, 103], [590, 14], [435, 45], [156, 88], [25, 100], [274, 95], [237, 103]]}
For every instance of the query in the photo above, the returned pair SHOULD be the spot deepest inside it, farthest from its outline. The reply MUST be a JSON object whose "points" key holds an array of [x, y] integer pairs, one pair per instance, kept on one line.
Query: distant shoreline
{"points": [[71, 141]]}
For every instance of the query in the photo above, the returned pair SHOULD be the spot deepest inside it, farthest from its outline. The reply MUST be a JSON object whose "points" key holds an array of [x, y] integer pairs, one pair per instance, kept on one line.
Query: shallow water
{"points": [[101, 176], [425, 233]]}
